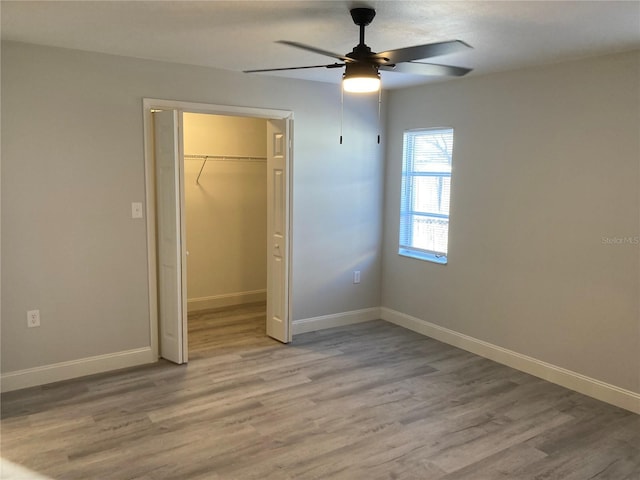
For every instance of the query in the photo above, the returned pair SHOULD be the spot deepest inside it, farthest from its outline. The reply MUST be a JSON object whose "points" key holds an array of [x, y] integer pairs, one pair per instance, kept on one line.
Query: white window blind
{"points": [[426, 187]]}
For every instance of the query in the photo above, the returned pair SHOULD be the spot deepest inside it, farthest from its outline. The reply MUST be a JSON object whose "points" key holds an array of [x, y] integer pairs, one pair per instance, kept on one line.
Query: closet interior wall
{"points": [[225, 210]]}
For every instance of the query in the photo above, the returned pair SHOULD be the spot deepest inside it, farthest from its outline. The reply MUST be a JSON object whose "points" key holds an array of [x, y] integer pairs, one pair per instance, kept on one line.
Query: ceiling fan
{"points": [[362, 66]]}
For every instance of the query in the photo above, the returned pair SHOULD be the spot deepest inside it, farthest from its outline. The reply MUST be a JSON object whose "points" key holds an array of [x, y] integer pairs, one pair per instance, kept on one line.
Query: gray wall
{"points": [[546, 172], [72, 163], [545, 210]]}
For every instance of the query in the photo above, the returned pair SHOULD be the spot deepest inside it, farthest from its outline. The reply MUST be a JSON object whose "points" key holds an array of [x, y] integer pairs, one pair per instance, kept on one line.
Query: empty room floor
{"points": [[362, 402]]}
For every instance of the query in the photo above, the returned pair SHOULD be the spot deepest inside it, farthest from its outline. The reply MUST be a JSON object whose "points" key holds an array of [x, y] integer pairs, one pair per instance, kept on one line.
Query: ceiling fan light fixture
{"points": [[361, 84], [360, 78]]}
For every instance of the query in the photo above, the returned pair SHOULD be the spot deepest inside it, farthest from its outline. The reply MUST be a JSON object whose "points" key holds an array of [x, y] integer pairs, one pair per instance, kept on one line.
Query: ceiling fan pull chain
{"points": [[379, 108], [341, 111]]}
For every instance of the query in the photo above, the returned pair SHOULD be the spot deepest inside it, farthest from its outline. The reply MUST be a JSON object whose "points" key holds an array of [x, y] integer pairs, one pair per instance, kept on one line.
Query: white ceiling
{"points": [[240, 35]]}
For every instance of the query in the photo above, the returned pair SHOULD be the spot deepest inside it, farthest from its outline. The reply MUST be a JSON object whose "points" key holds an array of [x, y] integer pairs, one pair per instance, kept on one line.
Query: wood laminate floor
{"points": [[364, 402]]}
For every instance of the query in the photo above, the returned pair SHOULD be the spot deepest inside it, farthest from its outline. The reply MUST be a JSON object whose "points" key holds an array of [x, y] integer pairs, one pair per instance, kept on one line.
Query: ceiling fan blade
{"points": [[419, 52], [428, 69], [333, 65], [316, 50]]}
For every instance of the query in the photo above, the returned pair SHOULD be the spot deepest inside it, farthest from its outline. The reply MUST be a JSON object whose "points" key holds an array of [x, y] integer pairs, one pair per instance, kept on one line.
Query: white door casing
{"points": [[278, 294], [170, 259], [278, 231]]}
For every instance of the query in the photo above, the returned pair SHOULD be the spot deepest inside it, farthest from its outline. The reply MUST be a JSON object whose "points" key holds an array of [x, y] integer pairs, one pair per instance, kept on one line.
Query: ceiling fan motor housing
{"points": [[360, 53]]}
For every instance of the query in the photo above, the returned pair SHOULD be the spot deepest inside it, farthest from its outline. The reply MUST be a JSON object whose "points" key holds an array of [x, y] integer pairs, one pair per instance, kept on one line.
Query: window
{"points": [[426, 187]]}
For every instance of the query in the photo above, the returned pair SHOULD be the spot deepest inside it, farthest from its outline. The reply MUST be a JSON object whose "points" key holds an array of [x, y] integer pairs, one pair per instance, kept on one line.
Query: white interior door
{"points": [[170, 231], [278, 231]]}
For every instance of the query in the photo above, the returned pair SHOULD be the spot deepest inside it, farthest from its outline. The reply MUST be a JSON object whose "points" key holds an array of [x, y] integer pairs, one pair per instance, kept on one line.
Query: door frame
{"points": [[149, 104]]}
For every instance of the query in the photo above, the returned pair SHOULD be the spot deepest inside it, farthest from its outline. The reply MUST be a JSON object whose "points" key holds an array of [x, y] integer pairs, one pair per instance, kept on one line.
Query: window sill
{"points": [[428, 257]]}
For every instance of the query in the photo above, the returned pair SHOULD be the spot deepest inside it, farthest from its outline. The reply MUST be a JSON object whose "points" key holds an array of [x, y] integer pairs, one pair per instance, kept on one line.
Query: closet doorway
{"points": [[191, 176], [225, 188]]}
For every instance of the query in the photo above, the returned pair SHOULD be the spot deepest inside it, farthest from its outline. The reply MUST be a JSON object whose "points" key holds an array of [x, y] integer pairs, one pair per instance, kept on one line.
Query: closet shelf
{"points": [[206, 158]]}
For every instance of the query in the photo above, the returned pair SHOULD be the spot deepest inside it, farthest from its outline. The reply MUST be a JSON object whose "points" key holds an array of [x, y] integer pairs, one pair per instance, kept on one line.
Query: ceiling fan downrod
{"points": [[362, 17]]}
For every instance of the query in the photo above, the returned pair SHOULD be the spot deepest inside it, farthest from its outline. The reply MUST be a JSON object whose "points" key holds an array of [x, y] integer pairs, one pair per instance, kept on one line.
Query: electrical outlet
{"points": [[356, 276], [33, 318]]}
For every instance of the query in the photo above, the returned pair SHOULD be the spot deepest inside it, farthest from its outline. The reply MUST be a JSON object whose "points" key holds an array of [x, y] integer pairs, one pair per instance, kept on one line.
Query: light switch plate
{"points": [[136, 210]]}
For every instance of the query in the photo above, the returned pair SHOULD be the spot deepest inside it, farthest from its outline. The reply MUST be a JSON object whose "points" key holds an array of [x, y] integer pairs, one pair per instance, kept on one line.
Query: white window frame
{"points": [[407, 194]]}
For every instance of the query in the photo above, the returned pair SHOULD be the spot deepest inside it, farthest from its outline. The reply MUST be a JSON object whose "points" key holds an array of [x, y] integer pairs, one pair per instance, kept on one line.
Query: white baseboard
{"points": [[335, 320], [225, 300], [561, 376], [575, 381], [56, 372]]}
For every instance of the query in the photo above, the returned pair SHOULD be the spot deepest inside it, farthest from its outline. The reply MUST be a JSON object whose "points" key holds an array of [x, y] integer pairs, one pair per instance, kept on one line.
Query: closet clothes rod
{"points": [[222, 157]]}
